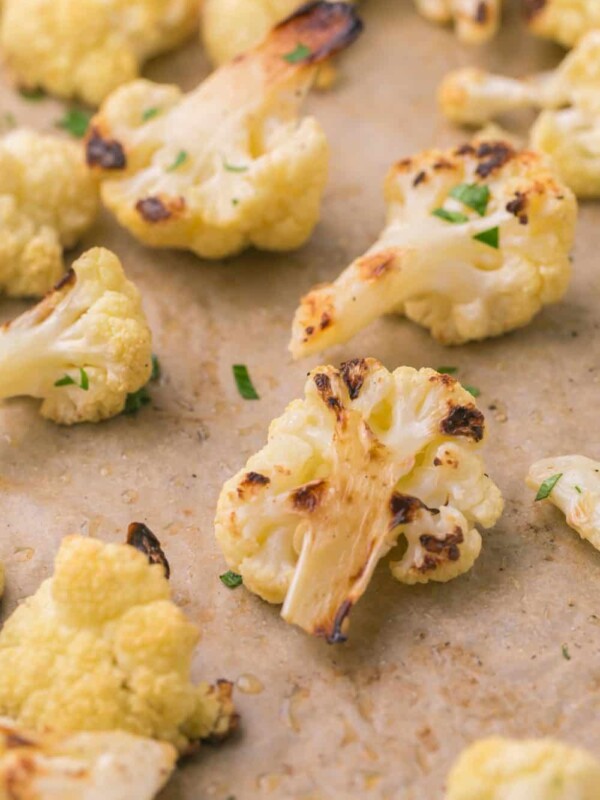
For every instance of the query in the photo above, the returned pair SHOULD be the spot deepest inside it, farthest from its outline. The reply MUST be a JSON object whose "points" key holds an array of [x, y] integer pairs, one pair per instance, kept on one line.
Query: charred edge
{"points": [[443, 163], [495, 155], [405, 509], [336, 635], [443, 378], [152, 209], [142, 538], [328, 27], [68, 279], [517, 207], [354, 373], [326, 320], [13, 741], [420, 177], [256, 479], [448, 546], [531, 8], [308, 498], [374, 267], [105, 153], [465, 150], [323, 384], [481, 14], [464, 421]]}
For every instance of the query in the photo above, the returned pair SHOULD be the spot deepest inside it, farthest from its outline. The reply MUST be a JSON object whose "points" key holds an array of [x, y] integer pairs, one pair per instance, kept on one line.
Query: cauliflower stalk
{"points": [[477, 241], [368, 459], [229, 165], [87, 48], [81, 766], [572, 483], [565, 21], [101, 646], [48, 200], [476, 21], [83, 348], [536, 769]]}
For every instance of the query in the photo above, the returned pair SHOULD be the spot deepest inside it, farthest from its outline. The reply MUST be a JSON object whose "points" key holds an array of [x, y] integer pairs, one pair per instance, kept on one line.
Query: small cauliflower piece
{"points": [[476, 21], [83, 348], [229, 165], [477, 241], [48, 200], [101, 646], [83, 766], [576, 492], [508, 769], [565, 21], [87, 48], [367, 459]]}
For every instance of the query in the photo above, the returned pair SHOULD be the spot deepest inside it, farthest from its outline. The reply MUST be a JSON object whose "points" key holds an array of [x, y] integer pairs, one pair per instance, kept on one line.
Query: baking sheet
{"points": [[427, 669]]}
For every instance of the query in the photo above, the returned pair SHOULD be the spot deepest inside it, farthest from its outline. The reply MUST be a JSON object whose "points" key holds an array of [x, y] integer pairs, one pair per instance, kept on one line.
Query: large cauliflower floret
{"points": [[101, 647], [476, 21], [229, 165], [86, 48], [82, 766], [367, 459], [572, 483], [565, 21], [508, 769], [48, 199], [477, 241], [83, 348]]}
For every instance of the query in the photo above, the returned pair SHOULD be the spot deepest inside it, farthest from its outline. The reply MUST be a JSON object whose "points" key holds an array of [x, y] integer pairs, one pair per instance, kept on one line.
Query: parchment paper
{"points": [[427, 669]]}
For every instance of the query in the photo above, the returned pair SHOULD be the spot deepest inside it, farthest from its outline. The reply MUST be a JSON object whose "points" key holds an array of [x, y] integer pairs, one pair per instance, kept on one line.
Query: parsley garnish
{"points": [[299, 53], [450, 216], [181, 157], [233, 168], [234, 201], [490, 237], [545, 489], [76, 122], [32, 94], [447, 370], [231, 579], [579, 490], [67, 380], [137, 400], [472, 195], [156, 371], [149, 113], [565, 652], [244, 382], [473, 390], [85, 381]]}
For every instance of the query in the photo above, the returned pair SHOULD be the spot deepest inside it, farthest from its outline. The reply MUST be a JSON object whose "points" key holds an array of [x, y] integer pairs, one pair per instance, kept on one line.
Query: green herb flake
{"points": [[156, 370], [235, 201], [455, 217], [76, 122], [472, 390], [244, 382], [299, 53], [447, 370], [565, 652], [136, 400], [150, 113], [490, 237], [85, 381], [32, 94], [67, 380], [231, 579], [180, 159], [579, 490], [472, 195], [234, 167], [547, 486]]}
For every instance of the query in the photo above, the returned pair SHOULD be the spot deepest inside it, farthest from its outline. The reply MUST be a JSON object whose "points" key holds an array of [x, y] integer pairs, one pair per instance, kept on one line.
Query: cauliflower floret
{"points": [[476, 21], [82, 766], [101, 647], [86, 48], [565, 21], [576, 492], [368, 458], [229, 165], [83, 348], [48, 200], [477, 241], [543, 769]]}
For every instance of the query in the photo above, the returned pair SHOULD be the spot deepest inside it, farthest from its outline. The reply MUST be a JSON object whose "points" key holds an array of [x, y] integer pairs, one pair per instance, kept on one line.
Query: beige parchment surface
{"points": [[427, 669]]}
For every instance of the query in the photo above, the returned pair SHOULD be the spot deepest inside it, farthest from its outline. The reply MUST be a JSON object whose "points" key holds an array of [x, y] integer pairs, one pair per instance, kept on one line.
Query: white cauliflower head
{"points": [[86, 48], [82, 766], [48, 199], [476, 21], [565, 21], [229, 165], [572, 483], [101, 647], [367, 459], [508, 769], [83, 348], [477, 241]]}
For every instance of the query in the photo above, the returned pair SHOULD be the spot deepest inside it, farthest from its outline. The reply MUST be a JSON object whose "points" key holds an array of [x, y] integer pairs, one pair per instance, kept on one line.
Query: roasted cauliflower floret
{"points": [[82, 766], [48, 199], [83, 348], [572, 483], [229, 165], [101, 646], [543, 769], [476, 21], [477, 241], [86, 48], [367, 459], [565, 21]]}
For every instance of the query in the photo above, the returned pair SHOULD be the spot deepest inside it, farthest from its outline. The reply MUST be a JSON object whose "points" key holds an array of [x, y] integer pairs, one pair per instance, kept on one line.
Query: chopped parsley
{"points": [[149, 113], [565, 652], [32, 94], [472, 390], [472, 195], [244, 382], [76, 122], [579, 490], [231, 579], [455, 217], [299, 53], [67, 380], [547, 486], [156, 371], [233, 167], [490, 237], [234, 201], [137, 400], [179, 160], [447, 370]]}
